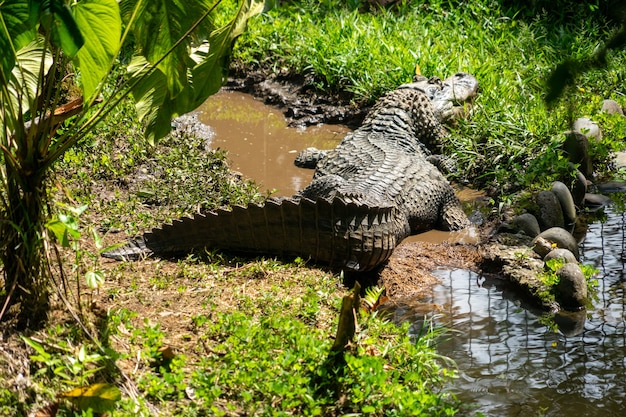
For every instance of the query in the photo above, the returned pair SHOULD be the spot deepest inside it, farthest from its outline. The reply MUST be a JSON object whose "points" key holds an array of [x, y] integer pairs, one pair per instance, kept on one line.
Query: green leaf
{"points": [[150, 99], [191, 74], [24, 81], [97, 240], [101, 24], [94, 279], [212, 59], [99, 397], [160, 26], [58, 20], [60, 232], [37, 347], [16, 31]]}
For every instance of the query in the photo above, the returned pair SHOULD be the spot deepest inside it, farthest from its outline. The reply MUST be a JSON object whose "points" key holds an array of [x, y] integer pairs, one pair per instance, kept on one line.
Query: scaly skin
{"points": [[370, 192]]}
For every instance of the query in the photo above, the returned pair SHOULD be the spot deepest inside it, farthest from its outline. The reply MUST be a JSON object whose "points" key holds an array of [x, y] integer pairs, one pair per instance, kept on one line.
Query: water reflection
{"points": [[511, 363]]}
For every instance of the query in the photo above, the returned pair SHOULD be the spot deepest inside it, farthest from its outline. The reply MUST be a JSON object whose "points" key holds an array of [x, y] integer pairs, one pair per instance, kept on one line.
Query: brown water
{"points": [[260, 144]]}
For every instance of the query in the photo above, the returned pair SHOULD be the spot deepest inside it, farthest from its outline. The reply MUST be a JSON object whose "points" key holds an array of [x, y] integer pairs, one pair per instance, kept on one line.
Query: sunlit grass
{"points": [[512, 138]]}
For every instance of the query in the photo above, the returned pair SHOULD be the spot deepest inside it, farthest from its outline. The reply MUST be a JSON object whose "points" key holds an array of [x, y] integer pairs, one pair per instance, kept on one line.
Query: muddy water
{"points": [[512, 363], [260, 144]]}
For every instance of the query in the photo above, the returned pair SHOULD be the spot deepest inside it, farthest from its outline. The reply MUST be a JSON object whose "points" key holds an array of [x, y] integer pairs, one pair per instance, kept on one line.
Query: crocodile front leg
{"points": [[310, 157]]}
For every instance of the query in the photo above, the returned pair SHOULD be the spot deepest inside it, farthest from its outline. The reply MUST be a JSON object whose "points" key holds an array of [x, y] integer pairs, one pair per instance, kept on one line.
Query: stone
{"points": [[612, 187], [576, 146], [596, 201], [587, 127], [564, 255], [566, 200], [542, 247], [571, 291], [550, 213], [579, 188], [527, 224], [559, 237], [612, 107]]}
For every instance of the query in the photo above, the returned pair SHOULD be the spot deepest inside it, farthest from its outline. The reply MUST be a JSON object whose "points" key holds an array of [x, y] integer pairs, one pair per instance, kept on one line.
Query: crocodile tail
{"points": [[340, 234]]}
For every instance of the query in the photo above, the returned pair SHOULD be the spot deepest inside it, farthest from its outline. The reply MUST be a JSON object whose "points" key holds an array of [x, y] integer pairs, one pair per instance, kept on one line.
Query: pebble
{"points": [[587, 127], [612, 107]]}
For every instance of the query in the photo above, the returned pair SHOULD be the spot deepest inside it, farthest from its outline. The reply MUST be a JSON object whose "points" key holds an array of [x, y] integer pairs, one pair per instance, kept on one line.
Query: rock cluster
{"points": [[548, 228]]}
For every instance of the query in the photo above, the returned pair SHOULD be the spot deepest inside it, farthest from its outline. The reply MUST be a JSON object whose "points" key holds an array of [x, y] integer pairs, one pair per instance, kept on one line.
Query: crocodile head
{"points": [[449, 96]]}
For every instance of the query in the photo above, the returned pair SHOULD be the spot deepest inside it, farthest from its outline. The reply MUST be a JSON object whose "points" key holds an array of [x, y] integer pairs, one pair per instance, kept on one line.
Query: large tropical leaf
{"points": [[208, 74], [151, 99], [159, 26], [202, 72], [16, 31], [58, 20], [100, 23], [23, 82]]}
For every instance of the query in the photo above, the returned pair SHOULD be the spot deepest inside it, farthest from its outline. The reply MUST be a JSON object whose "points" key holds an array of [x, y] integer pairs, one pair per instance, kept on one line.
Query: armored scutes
{"points": [[369, 193]]}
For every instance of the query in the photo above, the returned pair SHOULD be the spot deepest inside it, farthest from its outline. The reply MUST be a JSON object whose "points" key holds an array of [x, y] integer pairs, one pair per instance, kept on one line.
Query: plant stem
{"points": [[22, 236]]}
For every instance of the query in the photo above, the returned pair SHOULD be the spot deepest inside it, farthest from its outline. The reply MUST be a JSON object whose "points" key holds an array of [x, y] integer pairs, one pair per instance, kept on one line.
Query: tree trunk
{"points": [[22, 233]]}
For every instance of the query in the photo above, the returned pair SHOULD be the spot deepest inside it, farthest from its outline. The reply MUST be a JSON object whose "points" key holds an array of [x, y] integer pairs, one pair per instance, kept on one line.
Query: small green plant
{"points": [[73, 365], [550, 279], [66, 228]]}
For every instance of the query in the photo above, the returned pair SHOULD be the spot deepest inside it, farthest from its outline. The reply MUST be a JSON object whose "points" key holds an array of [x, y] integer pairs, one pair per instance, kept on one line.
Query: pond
{"points": [[511, 361]]}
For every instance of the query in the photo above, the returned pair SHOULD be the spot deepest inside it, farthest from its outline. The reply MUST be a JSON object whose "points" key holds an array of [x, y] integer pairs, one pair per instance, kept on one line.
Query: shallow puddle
{"points": [[260, 144]]}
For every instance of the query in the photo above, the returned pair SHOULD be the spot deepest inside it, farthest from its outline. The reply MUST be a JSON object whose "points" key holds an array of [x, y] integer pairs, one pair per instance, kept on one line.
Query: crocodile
{"points": [[377, 187]]}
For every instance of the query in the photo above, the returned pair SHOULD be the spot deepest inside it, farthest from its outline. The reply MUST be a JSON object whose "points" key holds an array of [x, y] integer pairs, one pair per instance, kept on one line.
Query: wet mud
{"points": [[297, 98]]}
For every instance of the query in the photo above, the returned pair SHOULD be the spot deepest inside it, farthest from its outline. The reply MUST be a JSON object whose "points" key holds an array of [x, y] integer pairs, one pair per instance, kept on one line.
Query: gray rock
{"points": [[526, 223], [612, 187], [564, 196], [576, 146], [571, 291], [564, 255], [612, 107], [542, 247], [596, 201], [587, 127], [549, 213], [579, 188], [559, 237]]}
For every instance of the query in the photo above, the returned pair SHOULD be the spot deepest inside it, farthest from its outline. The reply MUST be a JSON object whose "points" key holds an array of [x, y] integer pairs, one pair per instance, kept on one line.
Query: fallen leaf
{"points": [[99, 397]]}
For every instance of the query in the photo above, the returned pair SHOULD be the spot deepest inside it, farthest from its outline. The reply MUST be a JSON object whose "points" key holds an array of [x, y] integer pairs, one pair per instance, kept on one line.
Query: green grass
{"points": [[512, 138], [250, 346]]}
